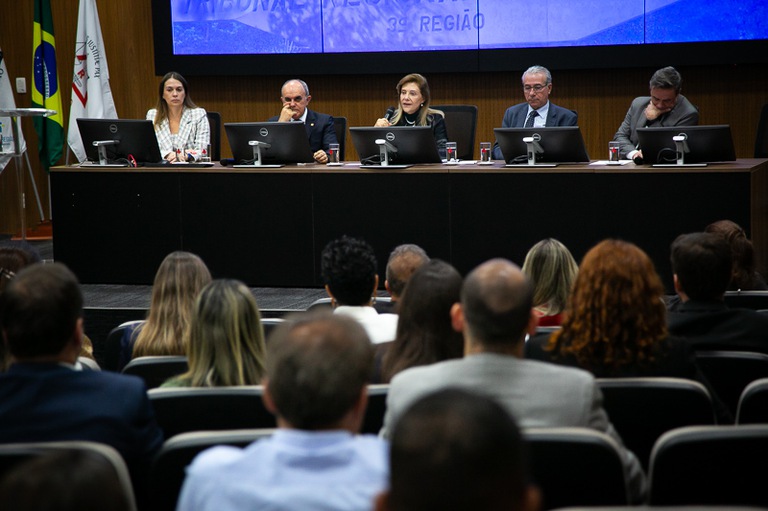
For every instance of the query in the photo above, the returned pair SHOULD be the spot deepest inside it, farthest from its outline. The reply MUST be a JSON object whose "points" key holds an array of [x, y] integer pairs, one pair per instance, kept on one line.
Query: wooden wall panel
{"points": [[724, 94]]}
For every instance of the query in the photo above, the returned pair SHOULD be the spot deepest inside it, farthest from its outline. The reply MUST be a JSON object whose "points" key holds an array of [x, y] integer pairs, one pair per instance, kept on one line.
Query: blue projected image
{"points": [[231, 27]]}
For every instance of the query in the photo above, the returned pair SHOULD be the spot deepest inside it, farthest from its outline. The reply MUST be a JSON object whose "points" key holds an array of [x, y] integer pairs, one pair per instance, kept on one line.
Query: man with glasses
{"points": [[664, 107], [537, 111], [320, 131]]}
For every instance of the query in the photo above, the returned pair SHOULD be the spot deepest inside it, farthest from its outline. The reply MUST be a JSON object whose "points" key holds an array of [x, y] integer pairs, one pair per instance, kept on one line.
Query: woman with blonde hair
{"points": [[225, 342], [552, 270], [178, 281]]}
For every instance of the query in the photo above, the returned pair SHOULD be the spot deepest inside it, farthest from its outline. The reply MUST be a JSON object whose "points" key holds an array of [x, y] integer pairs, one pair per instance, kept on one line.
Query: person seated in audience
{"points": [[66, 480], [320, 127], [744, 276], [703, 268], [348, 269], [537, 111], [317, 373], [181, 126], [665, 106], [424, 331], [403, 261], [225, 339], [413, 110], [179, 279], [495, 314], [43, 398], [460, 450], [552, 270]]}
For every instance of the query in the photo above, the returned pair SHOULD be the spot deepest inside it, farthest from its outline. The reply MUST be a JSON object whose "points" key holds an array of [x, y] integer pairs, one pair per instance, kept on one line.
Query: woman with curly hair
{"points": [[615, 321]]}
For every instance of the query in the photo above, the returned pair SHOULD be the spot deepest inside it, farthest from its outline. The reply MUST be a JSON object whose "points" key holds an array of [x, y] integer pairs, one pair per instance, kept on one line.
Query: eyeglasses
{"points": [[297, 99], [535, 88]]}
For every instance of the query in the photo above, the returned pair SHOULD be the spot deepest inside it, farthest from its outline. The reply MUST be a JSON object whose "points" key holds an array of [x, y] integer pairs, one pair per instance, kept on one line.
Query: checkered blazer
{"points": [[194, 132]]}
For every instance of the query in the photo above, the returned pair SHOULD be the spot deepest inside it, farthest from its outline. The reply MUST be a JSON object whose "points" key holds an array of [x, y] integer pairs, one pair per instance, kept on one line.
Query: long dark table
{"points": [[268, 227]]}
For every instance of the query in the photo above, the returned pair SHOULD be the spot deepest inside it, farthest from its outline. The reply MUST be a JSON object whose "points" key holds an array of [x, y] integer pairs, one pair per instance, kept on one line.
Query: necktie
{"points": [[529, 120]]}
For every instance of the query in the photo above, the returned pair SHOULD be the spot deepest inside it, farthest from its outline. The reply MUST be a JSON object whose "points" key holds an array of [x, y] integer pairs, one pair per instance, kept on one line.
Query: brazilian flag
{"points": [[46, 92]]}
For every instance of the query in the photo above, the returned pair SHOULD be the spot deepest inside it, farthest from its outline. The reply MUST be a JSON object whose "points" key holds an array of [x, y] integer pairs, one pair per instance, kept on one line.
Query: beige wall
{"points": [[724, 94]]}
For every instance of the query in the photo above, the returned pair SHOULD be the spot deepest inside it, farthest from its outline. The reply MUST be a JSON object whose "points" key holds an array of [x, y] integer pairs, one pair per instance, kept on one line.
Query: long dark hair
{"points": [[162, 106]]}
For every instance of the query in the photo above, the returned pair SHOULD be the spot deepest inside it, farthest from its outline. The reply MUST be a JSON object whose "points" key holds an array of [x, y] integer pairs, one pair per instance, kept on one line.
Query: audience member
{"points": [[178, 281], [181, 126], [664, 107], [537, 111], [552, 270], [495, 314], [744, 276], [457, 450], [403, 261], [413, 110], [348, 269], [225, 339], [702, 267], [68, 480], [425, 333], [42, 397], [316, 384], [320, 128]]}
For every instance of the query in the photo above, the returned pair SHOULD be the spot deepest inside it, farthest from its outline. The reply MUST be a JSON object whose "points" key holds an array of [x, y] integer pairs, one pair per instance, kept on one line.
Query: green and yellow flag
{"points": [[46, 92]]}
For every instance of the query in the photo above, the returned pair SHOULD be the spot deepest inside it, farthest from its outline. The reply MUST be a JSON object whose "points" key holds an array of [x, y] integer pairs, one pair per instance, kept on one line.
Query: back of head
{"points": [[666, 78], [70, 480], [552, 270], [424, 331], [317, 367], [455, 450], [403, 261], [348, 268], [496, 299], [742, 253], [12, 260], [40, 309], [179, 279], [225, 342], [616, 315], [702, 263]]}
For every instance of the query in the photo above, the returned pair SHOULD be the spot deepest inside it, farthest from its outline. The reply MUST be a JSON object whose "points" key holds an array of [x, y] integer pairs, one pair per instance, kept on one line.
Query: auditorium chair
{"points": [[340, 127], [755, 300], [575, 467], [111, 358], [13, 454], [710, 465], [181, 410], [166, 475], [753, 404], [214, 122], [642, 409], [729, 373], [377, 406], [156, 370], [461, 125]]}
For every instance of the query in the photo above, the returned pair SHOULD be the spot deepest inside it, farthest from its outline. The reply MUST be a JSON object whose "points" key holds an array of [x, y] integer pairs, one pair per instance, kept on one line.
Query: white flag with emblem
{"points": [[91, 95], [7, 103]]}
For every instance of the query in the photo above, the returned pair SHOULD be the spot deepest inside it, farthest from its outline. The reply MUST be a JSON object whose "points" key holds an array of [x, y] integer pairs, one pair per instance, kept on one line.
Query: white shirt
{"points": [[379, 327]]}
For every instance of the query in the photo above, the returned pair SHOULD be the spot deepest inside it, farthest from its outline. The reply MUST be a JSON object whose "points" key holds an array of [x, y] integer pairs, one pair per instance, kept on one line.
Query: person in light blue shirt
{"points": [[316, 384]]}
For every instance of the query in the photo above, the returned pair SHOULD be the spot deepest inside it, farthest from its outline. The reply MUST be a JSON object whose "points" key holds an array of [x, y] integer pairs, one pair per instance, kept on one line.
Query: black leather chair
{"points": [[755, 300], [712, 465], [461, 124], [214, 122], [753, 404], [729, 373], [377, 407], [111, 358], [576, 467], [181, 410], [761, 140], [167, 473], [642, 409], [155, 370], [340, 125]]}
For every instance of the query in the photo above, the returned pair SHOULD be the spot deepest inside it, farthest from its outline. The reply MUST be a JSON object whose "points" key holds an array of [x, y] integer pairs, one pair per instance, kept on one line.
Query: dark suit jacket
{"points": [[713, 326], [516, 115], [43, 402], [320, 130], [683, 114]]}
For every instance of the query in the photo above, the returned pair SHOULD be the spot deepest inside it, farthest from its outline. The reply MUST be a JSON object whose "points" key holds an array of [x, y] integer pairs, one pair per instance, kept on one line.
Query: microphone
{"points": [[390, 112]]}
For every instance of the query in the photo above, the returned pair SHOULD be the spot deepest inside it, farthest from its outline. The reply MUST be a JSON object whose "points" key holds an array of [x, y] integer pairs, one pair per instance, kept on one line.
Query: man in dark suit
{"points": [[664, 107], [537, 111], [701, 263], [320, 130], [42, 395]]}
